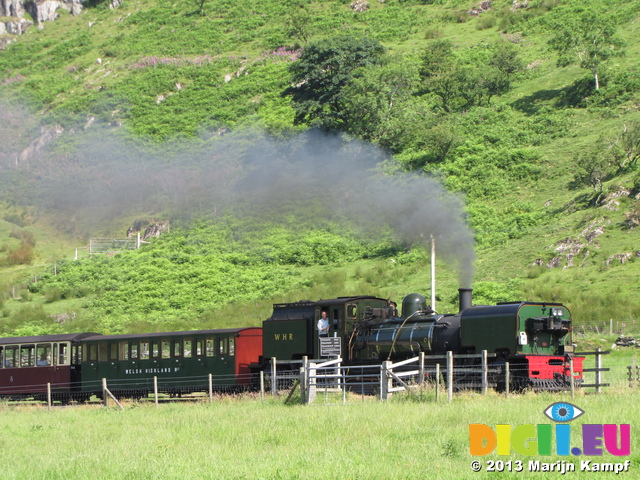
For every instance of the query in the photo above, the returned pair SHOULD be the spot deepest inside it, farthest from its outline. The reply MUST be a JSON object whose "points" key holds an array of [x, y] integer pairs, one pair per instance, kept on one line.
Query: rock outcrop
{"points": [[41, 11]]}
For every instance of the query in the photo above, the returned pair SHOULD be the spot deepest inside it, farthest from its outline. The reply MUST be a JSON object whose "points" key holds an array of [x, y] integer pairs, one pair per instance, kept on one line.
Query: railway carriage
{"points": [[28, 364], [181, 361]]}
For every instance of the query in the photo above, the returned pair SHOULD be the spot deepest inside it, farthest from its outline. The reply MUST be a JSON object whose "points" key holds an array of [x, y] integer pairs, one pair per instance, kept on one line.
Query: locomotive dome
{"points": [[412, 303]]}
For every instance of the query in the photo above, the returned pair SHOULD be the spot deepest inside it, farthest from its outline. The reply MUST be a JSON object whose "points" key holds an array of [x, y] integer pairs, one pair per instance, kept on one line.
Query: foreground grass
{"points": [[248, 439]]}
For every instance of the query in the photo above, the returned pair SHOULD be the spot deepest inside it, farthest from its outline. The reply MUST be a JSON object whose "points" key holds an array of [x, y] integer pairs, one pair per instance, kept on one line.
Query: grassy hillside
{"points": [[162, 111]]}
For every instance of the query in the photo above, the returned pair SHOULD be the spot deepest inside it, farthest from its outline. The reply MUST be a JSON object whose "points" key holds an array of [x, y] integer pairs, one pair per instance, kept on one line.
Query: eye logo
{"points": [[563, 412]]}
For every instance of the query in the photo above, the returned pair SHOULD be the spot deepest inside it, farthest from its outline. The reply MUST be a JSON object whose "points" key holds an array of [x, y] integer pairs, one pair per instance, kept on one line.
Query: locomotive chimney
{"points": [[464, 297]]}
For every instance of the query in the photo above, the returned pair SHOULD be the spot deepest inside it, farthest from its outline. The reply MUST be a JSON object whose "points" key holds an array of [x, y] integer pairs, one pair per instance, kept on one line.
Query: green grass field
{"points": [[408, 437]]}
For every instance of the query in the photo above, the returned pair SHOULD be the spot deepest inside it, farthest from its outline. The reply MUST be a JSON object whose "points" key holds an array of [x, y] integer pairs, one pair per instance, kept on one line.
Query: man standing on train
{"points": [[323, 325]]}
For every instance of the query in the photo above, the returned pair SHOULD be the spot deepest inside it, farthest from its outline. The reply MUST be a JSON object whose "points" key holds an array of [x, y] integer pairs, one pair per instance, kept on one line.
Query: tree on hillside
{"points": [[298, 20], [625, 147], [463, 79], [379, 106], [585, 34], [321, 73], [592, 167], [441, 74]]}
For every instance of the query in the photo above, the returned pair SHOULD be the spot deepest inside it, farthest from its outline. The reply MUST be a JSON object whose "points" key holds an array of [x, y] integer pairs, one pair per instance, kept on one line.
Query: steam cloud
{"points": [[106, 178]]}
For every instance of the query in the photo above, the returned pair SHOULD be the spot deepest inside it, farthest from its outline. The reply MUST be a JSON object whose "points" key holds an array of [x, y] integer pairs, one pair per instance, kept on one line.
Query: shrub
{"points": [[23, 255], [52, 294]]}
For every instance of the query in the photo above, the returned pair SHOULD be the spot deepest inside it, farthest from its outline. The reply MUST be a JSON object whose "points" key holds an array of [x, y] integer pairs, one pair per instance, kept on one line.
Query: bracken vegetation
{"points": [[159, 110]]}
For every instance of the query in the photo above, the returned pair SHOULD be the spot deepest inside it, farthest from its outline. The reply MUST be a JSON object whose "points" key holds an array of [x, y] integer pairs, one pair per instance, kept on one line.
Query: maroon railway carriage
{"points": [[28, 364]]}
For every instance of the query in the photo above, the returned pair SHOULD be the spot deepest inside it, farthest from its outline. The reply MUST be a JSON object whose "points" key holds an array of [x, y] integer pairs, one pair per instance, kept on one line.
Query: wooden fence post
{"points": [[104, 392], [49, 396], [211, 388], [421, 379], [262, 385], [274, 388], [155, 390], [311, 379], [385, 380], [507, 379], [437, 381], [485, 372], [304, 379], [598, 367], [573, 386], [450, 374]]}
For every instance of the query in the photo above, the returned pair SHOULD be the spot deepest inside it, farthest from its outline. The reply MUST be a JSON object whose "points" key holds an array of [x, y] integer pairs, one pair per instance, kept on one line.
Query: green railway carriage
{"points": [[181, 361], [291, 332]]}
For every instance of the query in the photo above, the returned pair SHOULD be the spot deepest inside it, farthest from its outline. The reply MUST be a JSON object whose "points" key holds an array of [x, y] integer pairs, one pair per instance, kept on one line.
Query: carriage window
{"points": [[1, 357], [11, 356], [187, 348], [63, 354], [166, 348], [43, 353], [102, 351], [223, 347], [177, 349], [93, 352], [124, 350], [144, 350], [155, 349], [211, 351], [113, 352], [134, 350], [80, 353], [76, 354], [27, 355], [199, 349], [232, 346]]}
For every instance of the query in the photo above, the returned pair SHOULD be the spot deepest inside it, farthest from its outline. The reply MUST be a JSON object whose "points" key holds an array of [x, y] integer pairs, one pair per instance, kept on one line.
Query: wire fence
{"points": [[444, 375], [329, 382]]}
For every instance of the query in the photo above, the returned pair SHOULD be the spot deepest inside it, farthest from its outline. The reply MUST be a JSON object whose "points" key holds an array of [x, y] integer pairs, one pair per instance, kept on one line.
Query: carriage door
{"points": [[220, 355]]}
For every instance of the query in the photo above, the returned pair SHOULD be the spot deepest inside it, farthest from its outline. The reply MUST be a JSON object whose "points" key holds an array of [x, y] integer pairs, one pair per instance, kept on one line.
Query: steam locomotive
{"points": [[534, 337]]}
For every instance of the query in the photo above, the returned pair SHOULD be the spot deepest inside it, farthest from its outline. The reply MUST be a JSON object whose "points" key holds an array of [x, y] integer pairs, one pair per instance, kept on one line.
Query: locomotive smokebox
{"points": [[464, 298]]}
